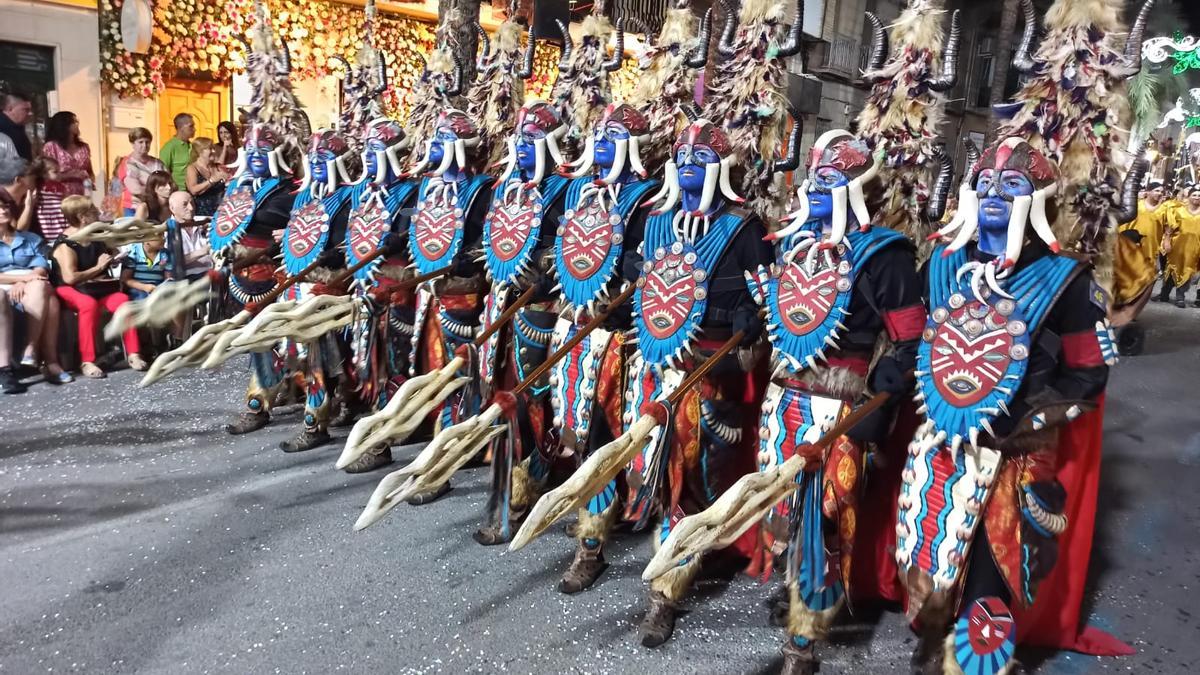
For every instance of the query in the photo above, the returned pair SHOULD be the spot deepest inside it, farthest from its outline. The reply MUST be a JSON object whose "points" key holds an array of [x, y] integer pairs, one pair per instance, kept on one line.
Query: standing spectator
{"points": [[176, 153], [15, 111], [155, 204], [25, 282], [83, 283], [145, 268], [45, 197], [225, 152], [205, 178], [136, 168], [74, 157], [187, 241]]}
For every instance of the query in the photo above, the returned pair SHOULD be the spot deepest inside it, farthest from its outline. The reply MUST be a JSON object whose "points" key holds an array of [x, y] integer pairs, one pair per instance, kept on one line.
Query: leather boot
{"points": [[427, 497], [344, 417], [659, 622], [373, 458], [585, 569], [306, 440], [797, 660], [490, 535], [246, 422]]}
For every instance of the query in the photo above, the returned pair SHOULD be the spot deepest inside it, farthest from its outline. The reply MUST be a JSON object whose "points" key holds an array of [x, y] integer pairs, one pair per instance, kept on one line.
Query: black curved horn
{"points": [[791, 46], [614, 63], [382, 85], [285, 58], [973, 155], [1022, 59], [725, 44], [564, 60], [486, 43], [949, 58], [1133, 44], [455, 88], [941, 188], [1129, 189], [791, 161], [690, 110], [526, 70], [699, 56], [879, 47]]}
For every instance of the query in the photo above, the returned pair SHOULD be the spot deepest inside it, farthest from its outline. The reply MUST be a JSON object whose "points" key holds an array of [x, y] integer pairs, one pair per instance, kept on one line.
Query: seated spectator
{"points": [[145, 268], [16, 180], [84, 283], [136, 168], [205, 178], [47, 198], [154, 205], [187, 240], [25, 285]]}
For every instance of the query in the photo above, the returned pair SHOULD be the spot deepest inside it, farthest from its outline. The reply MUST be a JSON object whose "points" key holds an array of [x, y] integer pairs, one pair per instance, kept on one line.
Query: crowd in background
{"points": [[47, 194]]}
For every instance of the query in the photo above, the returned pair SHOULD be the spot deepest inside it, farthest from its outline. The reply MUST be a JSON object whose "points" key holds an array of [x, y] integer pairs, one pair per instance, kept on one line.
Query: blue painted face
{"points": [[318, 165], [371, 162], [257, 158], [693, 161], [995, 205], [527, 149], [820, 192], [606, 145], [442, 141]]}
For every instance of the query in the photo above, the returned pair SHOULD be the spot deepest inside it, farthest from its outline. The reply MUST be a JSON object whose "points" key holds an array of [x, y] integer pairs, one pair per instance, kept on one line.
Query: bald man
{"points": [[186, 242]]}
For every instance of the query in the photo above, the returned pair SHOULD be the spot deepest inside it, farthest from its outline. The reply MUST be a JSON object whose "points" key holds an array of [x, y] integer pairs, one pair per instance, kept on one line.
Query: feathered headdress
{"points": [[589, 66], [499, 88], [1071, 109], [667, 77], [363, 84], [748, 97], [903, 113], [269, 67]]}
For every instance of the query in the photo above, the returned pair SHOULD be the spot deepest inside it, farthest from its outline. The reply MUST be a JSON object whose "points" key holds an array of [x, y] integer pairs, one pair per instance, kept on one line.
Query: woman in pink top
{"points": [[74, 157], [136, 168]]}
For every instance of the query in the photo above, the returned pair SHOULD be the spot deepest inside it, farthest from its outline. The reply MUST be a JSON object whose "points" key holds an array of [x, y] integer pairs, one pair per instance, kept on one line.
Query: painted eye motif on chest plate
{"points": [[367, 225], [671, 285], [587, 237], [306, 229], [511, 227], [803, 300], [972, 346], [234, 210], [434, 227]]}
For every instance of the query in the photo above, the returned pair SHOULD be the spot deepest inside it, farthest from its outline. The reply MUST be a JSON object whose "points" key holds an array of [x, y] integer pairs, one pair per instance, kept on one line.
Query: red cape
{"points": [[1054, 619]]}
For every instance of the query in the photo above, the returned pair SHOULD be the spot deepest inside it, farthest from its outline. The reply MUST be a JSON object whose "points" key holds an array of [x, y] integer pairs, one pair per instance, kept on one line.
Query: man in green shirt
{"points": [[177, 152]]}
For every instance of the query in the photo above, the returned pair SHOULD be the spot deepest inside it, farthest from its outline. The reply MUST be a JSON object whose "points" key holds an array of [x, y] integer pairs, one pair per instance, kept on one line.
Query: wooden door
{"points": [[207, 102]]}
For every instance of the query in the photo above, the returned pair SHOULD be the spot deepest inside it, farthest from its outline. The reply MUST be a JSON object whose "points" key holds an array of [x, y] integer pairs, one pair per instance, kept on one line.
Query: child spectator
{"points": [[145, 268], [83, 283], [49, 199]]}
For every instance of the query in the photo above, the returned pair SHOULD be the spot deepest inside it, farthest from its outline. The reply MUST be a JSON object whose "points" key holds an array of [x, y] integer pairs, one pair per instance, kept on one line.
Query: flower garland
{"points": [[201, 39]]}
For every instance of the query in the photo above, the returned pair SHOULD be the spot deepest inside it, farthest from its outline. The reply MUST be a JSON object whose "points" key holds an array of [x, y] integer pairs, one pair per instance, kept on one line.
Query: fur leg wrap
{"points": [[596, 526], [525, 490], [675, 584], [806, 622]]}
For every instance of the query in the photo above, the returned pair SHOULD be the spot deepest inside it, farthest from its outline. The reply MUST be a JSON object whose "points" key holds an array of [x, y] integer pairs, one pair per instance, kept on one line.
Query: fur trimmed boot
{"points": [[375, 457], [246, 422], [585, 569], [428, 497], [659, 623], [306, 440], [797, 660]]}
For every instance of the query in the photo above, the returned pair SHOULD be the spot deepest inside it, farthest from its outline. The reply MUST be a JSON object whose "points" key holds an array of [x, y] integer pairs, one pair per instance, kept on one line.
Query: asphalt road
{"points": [[137, 537]]}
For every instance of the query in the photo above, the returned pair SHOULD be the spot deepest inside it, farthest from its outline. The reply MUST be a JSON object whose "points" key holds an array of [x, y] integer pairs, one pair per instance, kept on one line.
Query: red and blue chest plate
{"points": [[436, 232], [236, 211], [590, 239], [513, 227], [370, 221], [974, 352], [672, 292], [807, 294], [307, 231]]}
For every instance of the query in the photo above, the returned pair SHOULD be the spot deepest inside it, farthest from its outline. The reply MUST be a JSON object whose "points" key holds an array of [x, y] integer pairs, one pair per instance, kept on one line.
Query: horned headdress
{"points": [[328, 142], [1070, 109], [363, 84], [541, 121], [499, 88], [589, 66], [464, 137], [276, 118], [627, 150]]}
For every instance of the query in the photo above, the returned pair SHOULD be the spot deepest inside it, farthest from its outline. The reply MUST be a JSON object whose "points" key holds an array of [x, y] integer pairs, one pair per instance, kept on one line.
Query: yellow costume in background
{"points": [[1137, 264], [1184, 257]]}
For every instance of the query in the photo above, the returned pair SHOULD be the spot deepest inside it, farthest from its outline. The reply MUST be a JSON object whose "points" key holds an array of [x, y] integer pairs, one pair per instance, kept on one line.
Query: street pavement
{"points": [[137, 537]]}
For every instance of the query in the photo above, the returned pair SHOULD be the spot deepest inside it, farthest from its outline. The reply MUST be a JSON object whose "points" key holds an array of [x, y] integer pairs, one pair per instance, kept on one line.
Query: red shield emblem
{"points": [[805, 301], [306, 229], [989, 625], [234, 210], [668, 293], [512, 223], [434, 227], [587, 238], [972, 348], [366, 227]]}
